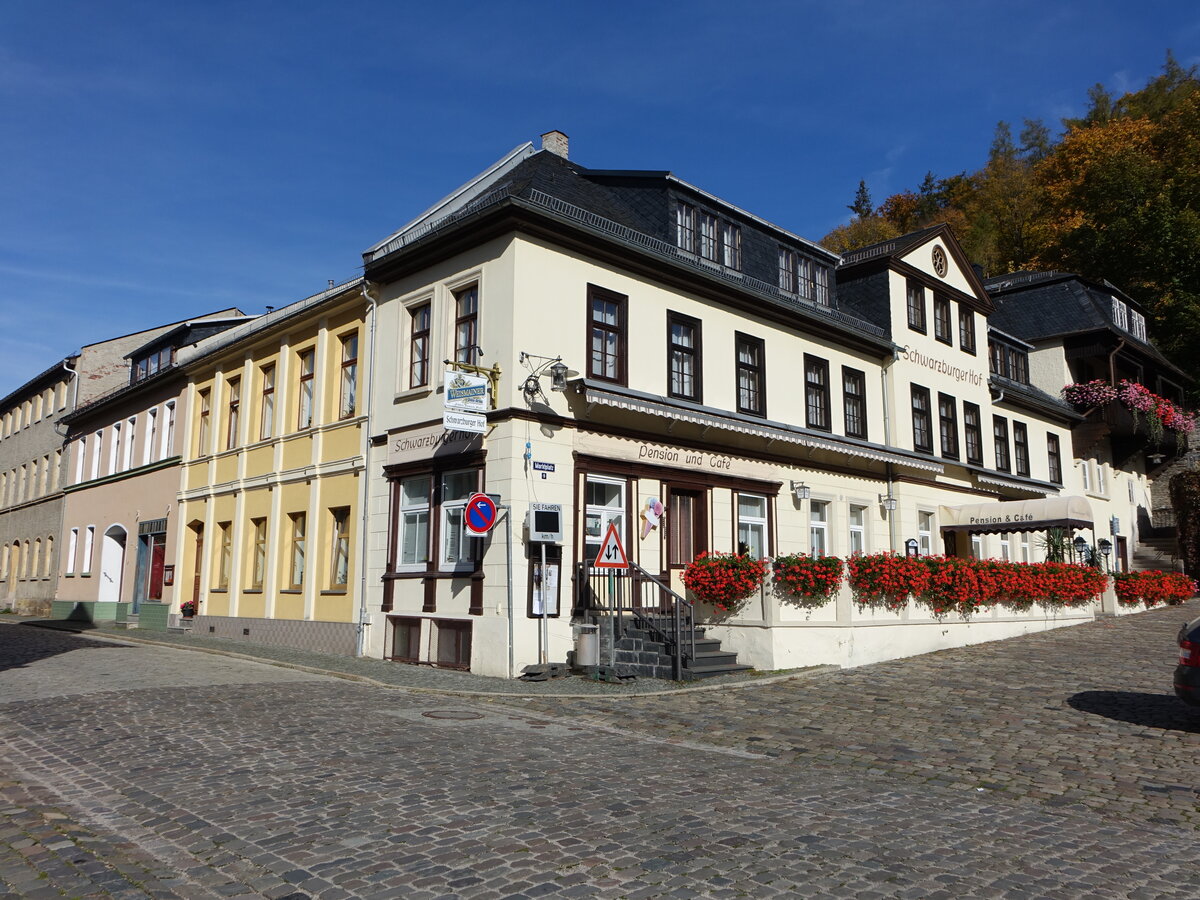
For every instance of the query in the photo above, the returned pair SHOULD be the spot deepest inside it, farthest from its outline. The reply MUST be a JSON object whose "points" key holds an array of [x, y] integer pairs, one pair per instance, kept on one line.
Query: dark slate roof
{"points": [[637, 208], [891, 247], [1016, 392], [1041, 305]]}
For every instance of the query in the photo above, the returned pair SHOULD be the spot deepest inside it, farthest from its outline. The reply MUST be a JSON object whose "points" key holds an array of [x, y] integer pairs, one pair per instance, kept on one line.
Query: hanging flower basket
{"points": [[807, 581], [724, 580]]}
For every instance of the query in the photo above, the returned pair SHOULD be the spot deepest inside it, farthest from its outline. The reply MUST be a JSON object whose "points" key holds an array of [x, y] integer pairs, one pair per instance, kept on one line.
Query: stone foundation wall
{"points": [[322, 637]]}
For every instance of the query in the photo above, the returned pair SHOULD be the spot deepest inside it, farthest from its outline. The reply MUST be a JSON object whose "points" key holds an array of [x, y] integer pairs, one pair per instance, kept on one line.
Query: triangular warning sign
{"points": [[612, 554]]}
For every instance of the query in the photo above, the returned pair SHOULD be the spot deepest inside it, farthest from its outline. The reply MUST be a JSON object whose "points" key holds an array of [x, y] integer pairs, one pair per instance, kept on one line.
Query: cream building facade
{"points": [[770, 395]]}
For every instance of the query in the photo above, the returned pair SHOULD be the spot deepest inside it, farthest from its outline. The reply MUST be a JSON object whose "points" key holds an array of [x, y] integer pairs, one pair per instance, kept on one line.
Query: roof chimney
{"points": [[555, 142]]}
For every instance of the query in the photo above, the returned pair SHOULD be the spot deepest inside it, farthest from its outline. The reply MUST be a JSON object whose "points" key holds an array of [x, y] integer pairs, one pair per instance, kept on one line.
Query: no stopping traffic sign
{"points": [[480, 514]]}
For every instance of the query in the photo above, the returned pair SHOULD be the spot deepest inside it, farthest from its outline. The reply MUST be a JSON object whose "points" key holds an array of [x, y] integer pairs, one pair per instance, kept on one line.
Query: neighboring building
{"points": [[273, 448], [716, 367], [1080, 330], [32, 466], [122, 483]]}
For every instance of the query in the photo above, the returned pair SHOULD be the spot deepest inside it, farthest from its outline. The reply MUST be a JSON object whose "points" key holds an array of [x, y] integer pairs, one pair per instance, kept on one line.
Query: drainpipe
{"points": [[1112, 362], [887, 440], [365, 502], [74, 373]]}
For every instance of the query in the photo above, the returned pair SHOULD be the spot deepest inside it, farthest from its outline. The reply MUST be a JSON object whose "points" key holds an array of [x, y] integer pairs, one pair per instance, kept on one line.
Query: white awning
{"points": [[1018, 515], [728, 423]]}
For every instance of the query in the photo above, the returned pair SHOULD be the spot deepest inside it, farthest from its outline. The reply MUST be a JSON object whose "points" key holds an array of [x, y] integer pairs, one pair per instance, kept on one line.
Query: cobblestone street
{"points": [[1056, 765]]}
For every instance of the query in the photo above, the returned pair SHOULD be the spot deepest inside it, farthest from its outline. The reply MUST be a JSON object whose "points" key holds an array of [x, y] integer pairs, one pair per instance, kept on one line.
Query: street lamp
{"points": [[1105, 546], [800, 490], [1081, 547], [888, 502]]}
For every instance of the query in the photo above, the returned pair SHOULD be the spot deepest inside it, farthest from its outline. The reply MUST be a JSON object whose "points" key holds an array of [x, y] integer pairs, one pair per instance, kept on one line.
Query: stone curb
{"points": [[812, 671]]}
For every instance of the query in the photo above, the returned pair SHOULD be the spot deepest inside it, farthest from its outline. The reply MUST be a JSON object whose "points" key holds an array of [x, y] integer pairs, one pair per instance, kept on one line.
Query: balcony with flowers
{"points": [[1134, 418]]}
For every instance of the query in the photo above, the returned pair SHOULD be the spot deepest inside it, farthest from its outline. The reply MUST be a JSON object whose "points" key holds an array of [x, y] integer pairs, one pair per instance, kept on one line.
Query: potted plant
{"points": [[188, 608], [885, 579]]}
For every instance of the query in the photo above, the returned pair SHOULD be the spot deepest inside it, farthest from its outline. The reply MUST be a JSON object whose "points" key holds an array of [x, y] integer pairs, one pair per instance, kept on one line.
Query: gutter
{"points": [[365, 499]]}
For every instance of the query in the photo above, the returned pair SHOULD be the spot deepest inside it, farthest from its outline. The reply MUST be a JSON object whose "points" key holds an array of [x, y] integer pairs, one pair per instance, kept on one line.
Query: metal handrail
{"points": [[620, 595]]}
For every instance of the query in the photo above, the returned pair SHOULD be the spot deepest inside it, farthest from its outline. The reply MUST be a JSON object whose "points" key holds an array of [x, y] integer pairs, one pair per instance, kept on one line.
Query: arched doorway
{"points": [[112, 565]]}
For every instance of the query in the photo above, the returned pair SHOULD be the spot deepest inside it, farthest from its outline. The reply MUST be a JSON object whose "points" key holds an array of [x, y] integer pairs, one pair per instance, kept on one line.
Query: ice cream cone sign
{"points": [[651, 515]]}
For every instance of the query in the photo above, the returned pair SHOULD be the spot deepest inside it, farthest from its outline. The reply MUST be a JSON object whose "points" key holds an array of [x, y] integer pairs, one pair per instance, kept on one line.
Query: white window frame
{"points": [[859, 529], [149, 445], [1005, 546], [464, 560], [1085, 468], [818, 528], [72, 547], [926, 525], [114, 448], [1138, 325], [168, 437], [604, 515], [416, 507], [130, 437], [1026, 549], [1120, 314], [754, 523], [1101, 481], [89, 547], [977, 546]]}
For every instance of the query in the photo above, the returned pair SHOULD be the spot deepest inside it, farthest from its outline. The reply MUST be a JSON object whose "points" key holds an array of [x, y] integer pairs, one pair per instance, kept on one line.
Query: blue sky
{"points": [[161, 160]]}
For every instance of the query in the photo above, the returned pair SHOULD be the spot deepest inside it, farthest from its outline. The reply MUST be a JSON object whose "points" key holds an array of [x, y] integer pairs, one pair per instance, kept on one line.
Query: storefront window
{"points": [[604, 505], [457, 545]]}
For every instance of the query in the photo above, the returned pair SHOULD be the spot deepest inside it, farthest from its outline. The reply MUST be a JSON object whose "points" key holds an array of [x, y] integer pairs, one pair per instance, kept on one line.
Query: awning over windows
{"points": [[776, 432], [1018, 515]]}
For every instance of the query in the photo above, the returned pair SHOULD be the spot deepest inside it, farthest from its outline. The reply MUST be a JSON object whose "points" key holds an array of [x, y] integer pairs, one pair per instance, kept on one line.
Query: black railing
{"points": [[635, 599]]}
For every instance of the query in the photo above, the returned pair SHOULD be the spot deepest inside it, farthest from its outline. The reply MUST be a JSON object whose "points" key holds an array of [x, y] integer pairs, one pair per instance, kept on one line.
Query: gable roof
{"points": [[893, 249]]}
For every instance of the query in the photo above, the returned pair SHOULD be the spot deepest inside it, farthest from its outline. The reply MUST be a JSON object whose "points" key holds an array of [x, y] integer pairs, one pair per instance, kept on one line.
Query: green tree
{"points": [[862, 206]]}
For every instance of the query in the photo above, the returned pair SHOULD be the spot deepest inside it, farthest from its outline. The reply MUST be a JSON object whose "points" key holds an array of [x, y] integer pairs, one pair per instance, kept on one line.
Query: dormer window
{"points": [[1120, 314], [152, 364], [731, 246], [685, 228], [1137, 324], [787, 270], [1008, 362]]}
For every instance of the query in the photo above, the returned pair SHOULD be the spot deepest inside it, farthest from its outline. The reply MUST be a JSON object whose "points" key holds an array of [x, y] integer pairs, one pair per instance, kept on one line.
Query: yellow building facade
{"points": [[272, 480]]}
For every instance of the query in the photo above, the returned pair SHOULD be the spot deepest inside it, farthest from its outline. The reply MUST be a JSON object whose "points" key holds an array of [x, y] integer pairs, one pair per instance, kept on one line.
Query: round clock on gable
{"points": [[939, 261]]}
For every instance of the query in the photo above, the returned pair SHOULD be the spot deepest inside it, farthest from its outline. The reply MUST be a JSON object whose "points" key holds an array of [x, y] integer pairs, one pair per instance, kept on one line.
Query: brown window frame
{"points": [[917, 320], [854, 403], [694, 353], [202, 426], [595, 294], [1054, 458], [758, 370], [948, 425], [418, 345], [297, 543], [1000, 444], [349, 364], [461, 647], [1020, 436], [966, 329], [414, 624], [466, 352], [699, 524], [258, 552], [973, 433], [817, 412], [339, 540], [943, 320], [266, 412], [234, 408], [306, 387], [922, 414]]}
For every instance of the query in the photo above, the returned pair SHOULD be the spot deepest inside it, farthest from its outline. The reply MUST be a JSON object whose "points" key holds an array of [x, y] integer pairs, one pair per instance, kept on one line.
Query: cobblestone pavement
{"points": [[1049, 766]]}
